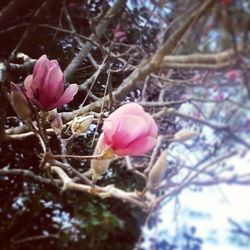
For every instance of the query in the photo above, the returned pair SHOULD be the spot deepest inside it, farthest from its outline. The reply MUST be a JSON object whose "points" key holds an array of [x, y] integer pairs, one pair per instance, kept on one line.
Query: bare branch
{"points": [[103, 192], [30, 175], [175, 39], [34, 238], [100, 30], [7, 12]]}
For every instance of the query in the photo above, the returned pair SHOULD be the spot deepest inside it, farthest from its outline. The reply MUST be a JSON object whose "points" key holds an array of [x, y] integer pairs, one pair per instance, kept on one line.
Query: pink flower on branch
{"points": [[220, 97], [232, 75], [45, 87], [129, 131], [119, 34], [226, 2]]}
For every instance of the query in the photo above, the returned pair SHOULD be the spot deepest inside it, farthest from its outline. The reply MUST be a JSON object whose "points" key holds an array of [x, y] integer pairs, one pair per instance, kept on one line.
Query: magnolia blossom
{"points": [[220, 97], [129, 130], [232, 75], [45, 87], [119, 34], [226, 2]]}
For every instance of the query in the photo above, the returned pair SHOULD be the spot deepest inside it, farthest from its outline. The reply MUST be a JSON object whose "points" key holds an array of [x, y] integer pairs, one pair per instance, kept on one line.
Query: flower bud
{"points": [[55, 121], [81, 124], [100, 166], [184, 135], [158, 171], [20, 103]]}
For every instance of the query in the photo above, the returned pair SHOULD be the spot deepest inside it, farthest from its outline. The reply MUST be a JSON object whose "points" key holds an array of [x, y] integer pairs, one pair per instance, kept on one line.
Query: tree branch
{"points": [[30, 175], [100, 30]]}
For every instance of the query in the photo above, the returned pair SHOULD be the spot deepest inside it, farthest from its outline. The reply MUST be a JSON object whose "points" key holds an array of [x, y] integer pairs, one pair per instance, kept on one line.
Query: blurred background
{"points": [[209, 212]]}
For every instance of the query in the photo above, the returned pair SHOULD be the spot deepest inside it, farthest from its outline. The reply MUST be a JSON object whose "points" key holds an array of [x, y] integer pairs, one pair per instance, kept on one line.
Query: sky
{"points": [[207, 210]]}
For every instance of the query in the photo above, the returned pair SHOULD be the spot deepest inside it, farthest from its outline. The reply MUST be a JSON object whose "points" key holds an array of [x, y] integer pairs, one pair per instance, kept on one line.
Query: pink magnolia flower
{"points": [[45, 87], [232, 75], [119, 34], [197, 114], [220, 97], [129, 130], [226, 2], [184, 97]]}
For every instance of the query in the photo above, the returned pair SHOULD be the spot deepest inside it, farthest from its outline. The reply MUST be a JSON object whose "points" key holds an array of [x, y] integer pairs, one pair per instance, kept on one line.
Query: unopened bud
{"points": [[100, 165], [55, 121], [184, 135], [158, 171], [81, 124], [20, 103]]}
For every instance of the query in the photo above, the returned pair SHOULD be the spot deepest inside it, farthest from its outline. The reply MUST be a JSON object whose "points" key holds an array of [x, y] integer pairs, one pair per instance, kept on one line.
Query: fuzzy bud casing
{"points": [[100, 166], [158, 171], [20, 103], [81, 124], [55, 120], [184, 135]]}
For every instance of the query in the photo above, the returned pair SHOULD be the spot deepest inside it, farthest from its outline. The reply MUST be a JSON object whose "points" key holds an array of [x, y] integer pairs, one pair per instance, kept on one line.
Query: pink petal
{"points": [[128, 124], [40, 65], [153, 128], [28, 84], [139, 147], [54, 84], [109, 129], [101, 145], [53, 63], [44, 103], [113, 121], [232, 75], [45, 86], [129, 108], [130, 128], [67, 96]]}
